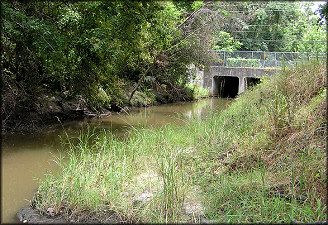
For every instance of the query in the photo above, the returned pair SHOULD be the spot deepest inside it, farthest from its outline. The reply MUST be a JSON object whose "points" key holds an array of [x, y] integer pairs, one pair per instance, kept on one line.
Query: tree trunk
{"points": [[140, 81]]}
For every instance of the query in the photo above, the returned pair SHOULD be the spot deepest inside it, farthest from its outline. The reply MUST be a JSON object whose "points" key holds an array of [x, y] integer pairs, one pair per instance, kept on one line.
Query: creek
{"points": [[27, 157]]}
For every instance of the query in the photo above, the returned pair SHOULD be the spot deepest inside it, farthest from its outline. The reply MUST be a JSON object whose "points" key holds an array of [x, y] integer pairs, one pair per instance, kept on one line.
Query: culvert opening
{"points": [[252, 81], [225, 87]]}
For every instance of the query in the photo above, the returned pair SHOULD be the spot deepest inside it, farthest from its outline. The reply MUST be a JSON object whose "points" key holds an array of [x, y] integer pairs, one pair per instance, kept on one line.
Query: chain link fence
{"points": [[261, 59]]}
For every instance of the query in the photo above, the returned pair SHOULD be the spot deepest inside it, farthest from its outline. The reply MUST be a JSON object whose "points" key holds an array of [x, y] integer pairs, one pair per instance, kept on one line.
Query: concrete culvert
{"points": [[225, 87]]}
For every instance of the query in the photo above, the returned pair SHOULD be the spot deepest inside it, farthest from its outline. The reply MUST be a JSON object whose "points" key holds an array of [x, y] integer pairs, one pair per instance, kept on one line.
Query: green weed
{"points": [[262, 159]]}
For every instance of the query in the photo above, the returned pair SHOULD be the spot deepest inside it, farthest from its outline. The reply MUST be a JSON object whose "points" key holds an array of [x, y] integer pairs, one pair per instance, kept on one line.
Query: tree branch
{"points": [[140, 81]]}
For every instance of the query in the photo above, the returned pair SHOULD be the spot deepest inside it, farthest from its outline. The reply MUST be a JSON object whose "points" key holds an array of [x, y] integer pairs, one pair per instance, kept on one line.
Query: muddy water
{"points": [[27, 157]]}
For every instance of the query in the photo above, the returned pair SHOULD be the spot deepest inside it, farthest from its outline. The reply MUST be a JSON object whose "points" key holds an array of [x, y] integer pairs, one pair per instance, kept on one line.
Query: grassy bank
{"points": [[263, 159]]}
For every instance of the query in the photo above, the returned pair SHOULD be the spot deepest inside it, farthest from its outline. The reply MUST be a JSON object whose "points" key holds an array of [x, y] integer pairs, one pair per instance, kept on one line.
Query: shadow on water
{"points": [[27, 157]]}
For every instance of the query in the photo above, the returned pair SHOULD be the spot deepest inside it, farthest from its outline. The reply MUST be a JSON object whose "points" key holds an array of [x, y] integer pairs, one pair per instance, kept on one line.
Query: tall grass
{"points": [[260, 160], [198, 92], [279, 127]]}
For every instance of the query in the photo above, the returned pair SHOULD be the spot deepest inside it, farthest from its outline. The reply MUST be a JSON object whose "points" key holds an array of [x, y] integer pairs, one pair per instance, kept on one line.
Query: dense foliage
{"points": [[273, 26], [108, 51], [96, 49]]}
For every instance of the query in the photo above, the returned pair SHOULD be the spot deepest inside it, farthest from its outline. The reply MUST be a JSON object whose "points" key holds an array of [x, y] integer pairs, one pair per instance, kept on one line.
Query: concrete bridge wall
{"points": [[206, 78]]}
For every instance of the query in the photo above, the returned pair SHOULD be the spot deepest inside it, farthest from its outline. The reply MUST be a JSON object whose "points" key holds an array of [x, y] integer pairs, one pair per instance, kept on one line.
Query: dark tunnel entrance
{"points": [[252, 81], [225, 87]]}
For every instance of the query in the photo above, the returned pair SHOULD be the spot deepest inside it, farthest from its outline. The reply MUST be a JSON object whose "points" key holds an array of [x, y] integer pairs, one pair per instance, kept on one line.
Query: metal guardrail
{"points": [[262, 59]]}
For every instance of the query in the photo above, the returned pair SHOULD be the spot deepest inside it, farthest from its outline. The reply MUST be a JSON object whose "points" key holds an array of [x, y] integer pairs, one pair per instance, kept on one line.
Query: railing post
{"points": [[252, 58], [224, 59], [264, 56]]}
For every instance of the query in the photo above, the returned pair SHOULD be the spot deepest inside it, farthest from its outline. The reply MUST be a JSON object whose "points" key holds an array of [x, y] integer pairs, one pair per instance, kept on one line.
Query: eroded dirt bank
{"points": [[47, 110]]}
